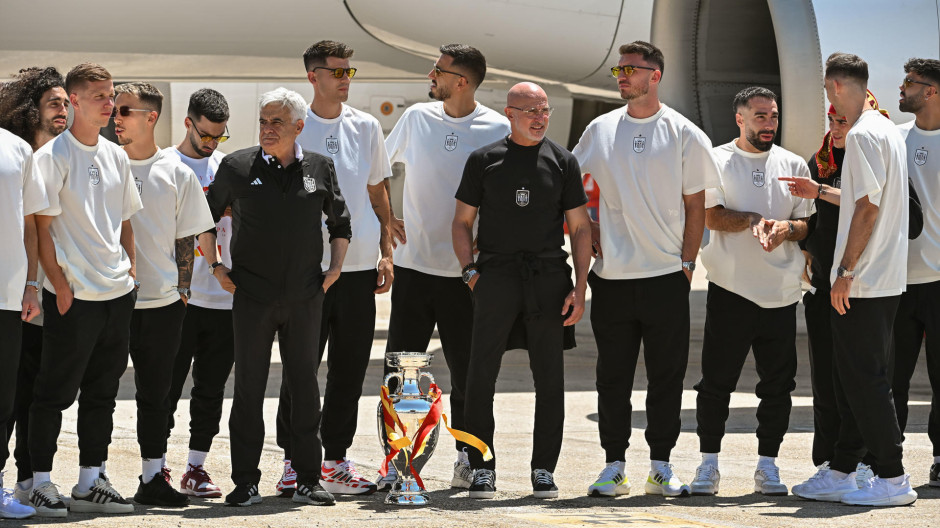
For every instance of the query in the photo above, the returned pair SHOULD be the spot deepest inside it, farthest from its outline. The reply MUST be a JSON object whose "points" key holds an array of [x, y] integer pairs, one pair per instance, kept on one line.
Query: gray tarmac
{"points": [[581, 458]]}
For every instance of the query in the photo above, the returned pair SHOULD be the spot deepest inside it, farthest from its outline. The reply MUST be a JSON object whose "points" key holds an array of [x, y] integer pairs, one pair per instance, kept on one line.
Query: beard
{"points": [[439, 93], [910, 104], [754, 139], [124, 140], [52, 128], [634, 92], [198, 145]]}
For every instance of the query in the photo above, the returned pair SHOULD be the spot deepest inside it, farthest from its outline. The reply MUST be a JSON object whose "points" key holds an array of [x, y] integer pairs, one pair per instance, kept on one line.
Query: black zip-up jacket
{"points": [[277, 239]]}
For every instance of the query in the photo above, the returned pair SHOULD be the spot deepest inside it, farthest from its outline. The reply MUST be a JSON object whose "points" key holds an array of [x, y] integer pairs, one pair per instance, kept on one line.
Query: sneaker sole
{"points": [[253, 500], [545, 494], [934, 483], [17, 516], [781, 493], [619, 490], [482, 494], [285, 493], [463, 484], [80, 506], [898, 500], [51, 513], [342, 489], [303, 499], [653, 489], [202, 494], [827, 497], [703, 491]]}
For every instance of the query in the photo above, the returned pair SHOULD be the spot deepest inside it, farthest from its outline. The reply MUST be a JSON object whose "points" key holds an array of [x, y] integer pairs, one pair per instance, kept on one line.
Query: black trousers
{"points": [[499, 300], [348, 323], [421, 300], [862, 347], [11, 330], [734, 326], [155, 339], [624, 313], [826, 419], [25, 385], [87, 349], [297, 325], [208, 344], [918, 313]]}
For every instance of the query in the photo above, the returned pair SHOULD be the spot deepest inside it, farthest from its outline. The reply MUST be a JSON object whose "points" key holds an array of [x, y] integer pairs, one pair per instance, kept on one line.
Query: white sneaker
{"points": [[767, 481], [344, 479], [706, 480], [863, 475], [21, 494], [463, 475], [385, 483], [611, 482], [882, 493], [47, 501], [101, 498], [824, 486], [665, 482], [11, 508]]}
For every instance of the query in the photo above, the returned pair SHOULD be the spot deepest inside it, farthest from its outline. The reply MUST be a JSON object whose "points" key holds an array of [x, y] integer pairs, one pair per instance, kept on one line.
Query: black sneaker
{"points": [[484, 484], [158, 492], [934, 475], [543, 484], [313, 494], [243, 495]]}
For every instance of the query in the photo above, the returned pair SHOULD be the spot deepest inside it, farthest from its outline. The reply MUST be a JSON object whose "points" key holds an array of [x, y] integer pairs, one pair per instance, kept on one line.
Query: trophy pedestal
{"points": [[407, 493]]}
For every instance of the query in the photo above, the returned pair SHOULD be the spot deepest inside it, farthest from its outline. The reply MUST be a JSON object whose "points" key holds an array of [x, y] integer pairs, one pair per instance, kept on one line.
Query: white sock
{"points": [[658, 465], [766, 462], [330, 464], [463, 457], [103, 469], [163, 461], [41, 477], [197, 458], [25, 484], [151, 467], [86, 477], [710, 459]]}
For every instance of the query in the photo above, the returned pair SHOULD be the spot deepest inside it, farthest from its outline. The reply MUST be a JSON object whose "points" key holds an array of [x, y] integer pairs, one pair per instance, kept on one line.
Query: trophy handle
{"points": [[396, 375], [428, 376]]}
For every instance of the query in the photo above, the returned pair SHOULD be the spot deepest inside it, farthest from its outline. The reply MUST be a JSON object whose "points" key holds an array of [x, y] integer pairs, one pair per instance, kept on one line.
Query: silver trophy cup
{"points": [[412, 405]]}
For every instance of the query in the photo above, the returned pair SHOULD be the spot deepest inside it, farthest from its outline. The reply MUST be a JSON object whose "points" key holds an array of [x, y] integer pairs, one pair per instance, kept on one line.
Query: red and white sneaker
{"points": [[166, 475], [196, 482], [344, 479], [288, 483]]}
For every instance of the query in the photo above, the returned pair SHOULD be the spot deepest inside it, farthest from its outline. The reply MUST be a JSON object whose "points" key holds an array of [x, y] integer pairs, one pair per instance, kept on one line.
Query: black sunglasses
{"points": [[126, 110]]}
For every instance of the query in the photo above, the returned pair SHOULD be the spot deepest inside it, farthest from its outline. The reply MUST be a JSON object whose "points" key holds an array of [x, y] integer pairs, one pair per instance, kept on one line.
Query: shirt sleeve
{"points": [[334, 206], [34, 192], [53, 178], [132, 202], [219, 194], [699, 168], [470, 190], [802, 207], [866, 168], [380, 168], [192, 210], [572, 194], [397, 139], [582, 151]]}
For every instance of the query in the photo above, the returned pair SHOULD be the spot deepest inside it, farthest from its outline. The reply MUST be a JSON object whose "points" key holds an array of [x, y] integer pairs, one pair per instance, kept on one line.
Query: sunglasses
{"points": [[628, 70], [126, 111], [338, 72], [532, 113], [206, 138], [438, 71], [907, 82]]}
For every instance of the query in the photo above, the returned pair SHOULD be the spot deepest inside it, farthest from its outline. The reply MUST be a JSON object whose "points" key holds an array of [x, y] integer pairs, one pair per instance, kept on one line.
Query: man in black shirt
{"points": [[524, 187], [278, 194]]}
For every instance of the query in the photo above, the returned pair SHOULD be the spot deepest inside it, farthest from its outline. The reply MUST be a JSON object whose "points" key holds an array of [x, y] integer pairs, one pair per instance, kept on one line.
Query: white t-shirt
{"points": [[23, 193], [923, 167], [643, 167], [205, 288], [174, 207], [91, 192], [736, 261], [354, 140], [875, 166], [434, 148]]}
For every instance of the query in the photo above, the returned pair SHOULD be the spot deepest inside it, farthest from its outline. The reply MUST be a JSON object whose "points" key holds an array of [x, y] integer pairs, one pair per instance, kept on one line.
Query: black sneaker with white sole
{"points": [[48, 502], [159, 492], [243, 495], [934, 475], [101, 498], [308, 493], [543, 484], [484, 484]]}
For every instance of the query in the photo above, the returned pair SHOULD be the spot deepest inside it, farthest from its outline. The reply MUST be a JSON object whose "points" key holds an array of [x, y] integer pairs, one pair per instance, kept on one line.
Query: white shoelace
{"points": [[609, 472], [667, 472], [706, 472], [350, 467], [484, 478], [542, 476], [821, 471], [772, 473]]}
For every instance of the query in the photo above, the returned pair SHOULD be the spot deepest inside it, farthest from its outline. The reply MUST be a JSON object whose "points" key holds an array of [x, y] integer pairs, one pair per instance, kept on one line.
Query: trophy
{"points": [[412, 406]]}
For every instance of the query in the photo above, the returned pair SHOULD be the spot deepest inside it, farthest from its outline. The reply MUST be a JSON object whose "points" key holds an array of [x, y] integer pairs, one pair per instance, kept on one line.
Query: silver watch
{"points": [[184, 292], [34, 284]]}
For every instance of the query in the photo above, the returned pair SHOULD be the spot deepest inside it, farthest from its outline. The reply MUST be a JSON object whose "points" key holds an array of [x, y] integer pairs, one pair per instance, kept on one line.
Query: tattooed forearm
{"points": [[185, 254]]}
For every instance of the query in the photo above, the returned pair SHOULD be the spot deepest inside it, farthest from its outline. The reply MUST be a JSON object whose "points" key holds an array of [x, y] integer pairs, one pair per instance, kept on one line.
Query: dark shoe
{"points": [[484, 484], [243, 495], [543, 484], [313, 494], [934, 475], [158, 492]]}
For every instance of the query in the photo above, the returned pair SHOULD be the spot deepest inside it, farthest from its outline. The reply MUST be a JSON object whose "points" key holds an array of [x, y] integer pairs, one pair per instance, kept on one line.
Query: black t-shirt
{"points": [[824, 224], [522, 194]]}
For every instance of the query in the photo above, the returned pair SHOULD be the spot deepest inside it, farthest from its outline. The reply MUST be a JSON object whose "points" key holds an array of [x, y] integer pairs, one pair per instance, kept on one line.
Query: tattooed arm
{"points": [[185, 255]]}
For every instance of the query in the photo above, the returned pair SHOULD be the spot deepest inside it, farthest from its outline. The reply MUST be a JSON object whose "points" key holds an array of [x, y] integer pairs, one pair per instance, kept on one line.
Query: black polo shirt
{"points": [[277, 242], [522, 194]]}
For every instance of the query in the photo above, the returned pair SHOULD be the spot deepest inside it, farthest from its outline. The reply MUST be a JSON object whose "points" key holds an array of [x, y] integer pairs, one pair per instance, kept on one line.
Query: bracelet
{"points": [[819, 191]]}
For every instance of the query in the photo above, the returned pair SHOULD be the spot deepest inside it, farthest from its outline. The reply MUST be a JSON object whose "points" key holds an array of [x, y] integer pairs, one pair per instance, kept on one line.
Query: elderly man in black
{"points": [[278, 194]]}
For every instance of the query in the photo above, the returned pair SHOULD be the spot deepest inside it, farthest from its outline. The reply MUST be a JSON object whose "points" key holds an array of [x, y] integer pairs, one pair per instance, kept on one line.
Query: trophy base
{"points": [[407, 493]]}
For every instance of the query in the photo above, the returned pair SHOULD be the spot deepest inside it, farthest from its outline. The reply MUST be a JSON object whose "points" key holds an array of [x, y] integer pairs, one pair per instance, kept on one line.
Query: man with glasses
{"points": [[521, 275], [652, 166], [919, 308], [86, 248], [207, 342], [433, 141], [353, 139], [175, 210]]}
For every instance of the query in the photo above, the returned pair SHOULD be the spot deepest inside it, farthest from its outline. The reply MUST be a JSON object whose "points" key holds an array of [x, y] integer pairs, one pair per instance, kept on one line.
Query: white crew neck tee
{"points": [[643, 168], [355, 143], [923, 168], [434, 148]]}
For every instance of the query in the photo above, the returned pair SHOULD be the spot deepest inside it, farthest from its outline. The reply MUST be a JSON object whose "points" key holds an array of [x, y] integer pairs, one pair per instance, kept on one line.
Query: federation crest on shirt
{"points": [[757, 177], [94, 175], [310, 183], [450, 142], [639, 144], [332, 145], [522, 197], [920, 156], [140, 186]]}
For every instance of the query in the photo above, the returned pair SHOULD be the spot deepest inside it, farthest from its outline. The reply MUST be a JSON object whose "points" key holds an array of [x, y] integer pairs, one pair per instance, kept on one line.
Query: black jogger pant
{"points": [[208, 344], [10, 351], [421, 300], [348, 323], [85, 349], [826, 418], [154, 342], [734, 326], [862, 347], [25, 385], [654, 310]]}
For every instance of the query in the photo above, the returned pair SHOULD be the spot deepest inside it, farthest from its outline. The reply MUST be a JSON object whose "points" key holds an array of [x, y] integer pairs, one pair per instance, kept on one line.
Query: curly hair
{"points": [[19, 100]]}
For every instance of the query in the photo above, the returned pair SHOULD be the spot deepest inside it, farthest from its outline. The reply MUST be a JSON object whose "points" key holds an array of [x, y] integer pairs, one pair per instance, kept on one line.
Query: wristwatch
{"points": [[843, 273], [468, 272], [688, 264], [790, 228], [34, 284], [183, 291], [213, 266]]}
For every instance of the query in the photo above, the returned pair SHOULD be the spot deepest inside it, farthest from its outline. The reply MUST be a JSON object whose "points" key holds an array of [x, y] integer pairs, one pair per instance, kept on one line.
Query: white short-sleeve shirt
{"points": [[174, 207], [91, 192], [434, 148], [354, 141], [875, 166], [643, 168], [23, 193], [923, 167], [736, 261]]}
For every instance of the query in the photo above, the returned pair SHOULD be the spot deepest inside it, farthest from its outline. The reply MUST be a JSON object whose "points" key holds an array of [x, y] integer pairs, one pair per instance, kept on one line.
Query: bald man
{"points": [[524, 187]]}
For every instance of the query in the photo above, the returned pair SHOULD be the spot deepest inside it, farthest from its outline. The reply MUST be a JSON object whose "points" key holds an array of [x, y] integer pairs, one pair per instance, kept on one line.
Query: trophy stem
{"points": [[407, 492]]}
